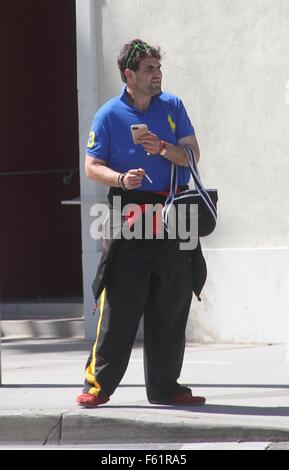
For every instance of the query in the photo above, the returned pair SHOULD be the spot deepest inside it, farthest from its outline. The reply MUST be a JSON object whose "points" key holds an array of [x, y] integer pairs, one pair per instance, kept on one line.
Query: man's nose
{"points": [[157, 72]]}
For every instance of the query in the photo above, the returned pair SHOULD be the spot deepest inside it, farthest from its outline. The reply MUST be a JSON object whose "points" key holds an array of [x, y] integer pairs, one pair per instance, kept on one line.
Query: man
{"points": [[144, 277]]}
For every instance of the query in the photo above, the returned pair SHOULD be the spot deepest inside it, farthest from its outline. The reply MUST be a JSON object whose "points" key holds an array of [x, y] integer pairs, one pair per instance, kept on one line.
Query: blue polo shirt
{"points": [[110, 138]]}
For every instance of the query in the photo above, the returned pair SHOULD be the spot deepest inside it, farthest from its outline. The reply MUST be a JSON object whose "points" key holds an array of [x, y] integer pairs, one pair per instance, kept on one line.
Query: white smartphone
{"points": [[138, 131]]}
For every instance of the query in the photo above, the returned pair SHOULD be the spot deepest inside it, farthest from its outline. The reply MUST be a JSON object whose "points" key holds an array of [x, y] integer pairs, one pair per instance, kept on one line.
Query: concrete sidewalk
{"points": [[247, 390]]}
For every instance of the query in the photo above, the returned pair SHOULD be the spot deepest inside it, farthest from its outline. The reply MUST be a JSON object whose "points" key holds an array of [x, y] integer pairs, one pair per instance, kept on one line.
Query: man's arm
{"points": [[175, 153], [97, 170]]}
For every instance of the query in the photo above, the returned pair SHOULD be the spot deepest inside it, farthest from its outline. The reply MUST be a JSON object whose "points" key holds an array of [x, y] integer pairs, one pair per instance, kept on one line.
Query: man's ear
{"points": [[129, 74]]}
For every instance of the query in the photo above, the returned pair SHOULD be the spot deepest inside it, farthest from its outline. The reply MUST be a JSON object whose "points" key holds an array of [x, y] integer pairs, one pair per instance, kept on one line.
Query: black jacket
{"points": [[110, 245]]}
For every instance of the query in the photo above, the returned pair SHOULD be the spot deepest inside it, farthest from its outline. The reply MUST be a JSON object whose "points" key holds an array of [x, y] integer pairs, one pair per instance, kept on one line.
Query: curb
{"points": [[42, 329], [19, 428], [102, 430], [69, 427]]}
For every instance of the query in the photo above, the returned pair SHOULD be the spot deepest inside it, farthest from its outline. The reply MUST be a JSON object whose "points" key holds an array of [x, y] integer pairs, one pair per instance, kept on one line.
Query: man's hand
{"points": [[174, 153], [96, 169], [133, 178], [151, 143]]}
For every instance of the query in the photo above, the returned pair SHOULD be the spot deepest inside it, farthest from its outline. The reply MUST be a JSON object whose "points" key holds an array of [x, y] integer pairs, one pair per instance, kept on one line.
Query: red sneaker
{"points": [[87, 400], [186, 399]]}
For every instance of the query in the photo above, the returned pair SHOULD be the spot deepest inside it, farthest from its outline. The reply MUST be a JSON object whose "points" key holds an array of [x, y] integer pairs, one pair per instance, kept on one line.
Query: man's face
{"points": [[148, 78]]}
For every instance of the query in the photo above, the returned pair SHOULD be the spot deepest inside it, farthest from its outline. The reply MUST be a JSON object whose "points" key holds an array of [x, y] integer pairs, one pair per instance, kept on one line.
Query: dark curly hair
{"points": [[133, 53]]}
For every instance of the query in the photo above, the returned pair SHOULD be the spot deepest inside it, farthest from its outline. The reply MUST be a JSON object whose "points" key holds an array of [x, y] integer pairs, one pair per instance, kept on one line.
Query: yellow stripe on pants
{"points": [[90, 370]]}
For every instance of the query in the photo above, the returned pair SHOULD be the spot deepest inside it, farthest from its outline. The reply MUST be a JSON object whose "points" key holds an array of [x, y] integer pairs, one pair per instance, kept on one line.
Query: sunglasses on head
{"points": [[140, 46]]}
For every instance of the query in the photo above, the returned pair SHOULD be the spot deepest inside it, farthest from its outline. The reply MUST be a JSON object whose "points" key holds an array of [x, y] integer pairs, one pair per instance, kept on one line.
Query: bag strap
{"points": [[198, 185], [171, 196]]}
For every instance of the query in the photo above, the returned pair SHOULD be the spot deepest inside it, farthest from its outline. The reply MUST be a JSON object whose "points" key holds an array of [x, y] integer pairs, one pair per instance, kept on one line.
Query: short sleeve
{"points": [[98, 144], [184, 126]]}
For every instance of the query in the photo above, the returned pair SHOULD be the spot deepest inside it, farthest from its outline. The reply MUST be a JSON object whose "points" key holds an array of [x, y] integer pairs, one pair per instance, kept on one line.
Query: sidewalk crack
{"points": [[57, 426]]}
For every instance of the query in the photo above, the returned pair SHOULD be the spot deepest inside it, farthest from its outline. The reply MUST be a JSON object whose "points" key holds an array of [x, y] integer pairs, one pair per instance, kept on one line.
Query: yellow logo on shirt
{"points": [[91, 140], [172, 123]]}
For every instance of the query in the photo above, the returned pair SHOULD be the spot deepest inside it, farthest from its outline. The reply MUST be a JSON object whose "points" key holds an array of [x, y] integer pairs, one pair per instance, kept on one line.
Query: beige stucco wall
{"points": [[228, 61]]}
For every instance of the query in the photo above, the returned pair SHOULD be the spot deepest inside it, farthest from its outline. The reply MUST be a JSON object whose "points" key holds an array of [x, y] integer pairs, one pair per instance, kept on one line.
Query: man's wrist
{"points": [[120, 181]]}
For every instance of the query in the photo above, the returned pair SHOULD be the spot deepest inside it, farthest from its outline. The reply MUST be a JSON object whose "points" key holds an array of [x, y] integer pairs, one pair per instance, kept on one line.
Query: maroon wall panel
{"points": [[40, 239]]}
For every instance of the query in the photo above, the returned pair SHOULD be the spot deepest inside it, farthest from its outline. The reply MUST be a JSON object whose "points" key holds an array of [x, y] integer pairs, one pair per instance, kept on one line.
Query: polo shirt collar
{"points": [[125, 99]]}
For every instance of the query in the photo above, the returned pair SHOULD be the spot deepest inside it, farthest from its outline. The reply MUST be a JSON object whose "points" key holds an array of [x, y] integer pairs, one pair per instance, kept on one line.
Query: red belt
{"points": [[157, 223]]}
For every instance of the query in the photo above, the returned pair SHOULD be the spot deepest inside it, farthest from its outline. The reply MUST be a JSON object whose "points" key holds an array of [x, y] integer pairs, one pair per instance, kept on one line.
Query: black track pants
{"points": [[150, 277]]}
